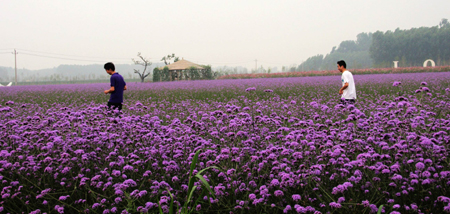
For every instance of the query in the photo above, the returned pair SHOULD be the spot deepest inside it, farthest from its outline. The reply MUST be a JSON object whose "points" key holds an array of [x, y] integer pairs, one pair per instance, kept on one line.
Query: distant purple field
{"points": [[280, 145], [240, 83]]}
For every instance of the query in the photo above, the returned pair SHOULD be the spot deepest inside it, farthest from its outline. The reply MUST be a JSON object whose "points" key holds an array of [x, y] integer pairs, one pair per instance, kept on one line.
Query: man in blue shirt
{"points": [[118, 85]]}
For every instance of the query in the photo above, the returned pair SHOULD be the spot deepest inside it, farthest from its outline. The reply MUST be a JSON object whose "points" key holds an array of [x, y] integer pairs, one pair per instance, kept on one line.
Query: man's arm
{"points": [[125, 88], [110, 90], [341, 91]]}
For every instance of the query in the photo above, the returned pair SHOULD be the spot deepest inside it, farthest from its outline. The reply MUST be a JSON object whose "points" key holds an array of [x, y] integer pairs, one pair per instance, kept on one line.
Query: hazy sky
{"points": [[227, 32]]}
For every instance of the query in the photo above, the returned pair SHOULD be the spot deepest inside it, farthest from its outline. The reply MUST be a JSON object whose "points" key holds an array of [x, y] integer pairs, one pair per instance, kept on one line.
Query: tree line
{"points": [[355, 53], [410, 47], [192, 73]]}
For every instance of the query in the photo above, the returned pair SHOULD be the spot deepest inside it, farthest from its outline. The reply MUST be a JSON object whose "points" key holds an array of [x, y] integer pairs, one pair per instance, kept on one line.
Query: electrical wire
{"points": [[81, 60], [225, 63], [102, 59], [47, 53]]}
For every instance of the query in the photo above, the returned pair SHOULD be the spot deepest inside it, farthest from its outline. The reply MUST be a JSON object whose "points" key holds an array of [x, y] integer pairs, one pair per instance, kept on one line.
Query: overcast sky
{"points": [[227, 32]]}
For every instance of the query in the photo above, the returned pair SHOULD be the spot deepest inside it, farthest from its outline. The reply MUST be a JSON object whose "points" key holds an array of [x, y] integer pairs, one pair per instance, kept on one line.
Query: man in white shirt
{"points": [[348, 90]]}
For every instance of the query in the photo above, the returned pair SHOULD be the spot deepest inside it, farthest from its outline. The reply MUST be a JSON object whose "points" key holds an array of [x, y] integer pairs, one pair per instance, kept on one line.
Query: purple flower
{"points": [[275, 182], [59, 209], [444, 199], [128, 168], [420, 166], [252, 196], [296, 197], [250, 89], [335, 205], [278, 193], [287, 209], [396, 83], [118, 200], [130, 182], [63, 198], [116, 173], [425, 89]]}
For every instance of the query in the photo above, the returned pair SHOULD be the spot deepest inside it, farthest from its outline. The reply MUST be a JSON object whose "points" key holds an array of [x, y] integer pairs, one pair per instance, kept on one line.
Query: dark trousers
{"points": [[115, 105], [348, 101]]}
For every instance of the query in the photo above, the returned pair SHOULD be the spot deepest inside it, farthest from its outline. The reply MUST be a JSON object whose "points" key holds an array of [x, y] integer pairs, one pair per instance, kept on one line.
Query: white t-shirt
{"points": [[350, 91]]}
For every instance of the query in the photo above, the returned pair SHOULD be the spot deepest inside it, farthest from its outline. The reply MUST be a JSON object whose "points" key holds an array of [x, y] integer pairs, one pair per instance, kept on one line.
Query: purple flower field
{"points": [[280, 145]]}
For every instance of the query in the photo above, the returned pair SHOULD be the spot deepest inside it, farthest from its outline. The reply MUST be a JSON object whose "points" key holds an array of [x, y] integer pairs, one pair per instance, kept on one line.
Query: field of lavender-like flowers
{"points": [[279, 145]]}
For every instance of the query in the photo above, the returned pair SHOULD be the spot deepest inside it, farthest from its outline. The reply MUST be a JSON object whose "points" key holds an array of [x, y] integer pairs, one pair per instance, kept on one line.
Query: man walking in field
{"points": [[118, 85], [348, 90]]}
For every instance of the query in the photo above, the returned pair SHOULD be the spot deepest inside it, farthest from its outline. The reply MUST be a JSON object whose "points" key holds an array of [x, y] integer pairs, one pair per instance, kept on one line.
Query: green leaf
{"points": [[160, 210], [196, 201], [194, 162], [211, 167], [206, 184], [171, 202], [380, 209], [188, 200]]}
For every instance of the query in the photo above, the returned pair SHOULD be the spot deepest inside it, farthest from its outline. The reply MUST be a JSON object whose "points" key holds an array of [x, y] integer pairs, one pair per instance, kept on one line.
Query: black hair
{"points": [[109, 66], [342, 63]]}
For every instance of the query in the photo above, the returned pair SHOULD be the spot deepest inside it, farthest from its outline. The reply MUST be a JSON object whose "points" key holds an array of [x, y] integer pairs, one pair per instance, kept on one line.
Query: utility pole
{"points": [[15, 64], [256, 65]]}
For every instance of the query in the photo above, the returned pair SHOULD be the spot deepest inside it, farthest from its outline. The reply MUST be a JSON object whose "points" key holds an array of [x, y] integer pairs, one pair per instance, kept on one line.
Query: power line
{"points": [[209, 62], [71, 55], [53, 57]]}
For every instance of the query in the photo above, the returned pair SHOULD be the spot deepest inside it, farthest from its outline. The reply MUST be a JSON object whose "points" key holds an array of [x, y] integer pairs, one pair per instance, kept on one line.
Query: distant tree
{"points": [[193, 73], [208, 74], [333, 49], [347, 46], [169, 57], [144, 62], [165, 74], [3, 74], [412, 47], [312, 63], [156, 75], [444, 23]]}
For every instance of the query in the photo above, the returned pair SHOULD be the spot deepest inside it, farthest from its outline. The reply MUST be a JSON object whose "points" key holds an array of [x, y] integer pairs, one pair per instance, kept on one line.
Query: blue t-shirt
{"points": [[118, 83]]}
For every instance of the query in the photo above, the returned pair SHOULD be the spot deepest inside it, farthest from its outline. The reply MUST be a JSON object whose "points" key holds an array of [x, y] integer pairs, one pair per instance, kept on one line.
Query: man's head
{"points": [[341, 66], [110, 68]]}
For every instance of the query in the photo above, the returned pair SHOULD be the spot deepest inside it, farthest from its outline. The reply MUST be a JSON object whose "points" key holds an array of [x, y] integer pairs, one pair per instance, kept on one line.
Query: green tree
{"points": [[208, 74], [168, 58], [193, 73], [412, 47], [444, 23], [165, 74], [156, 75]]}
